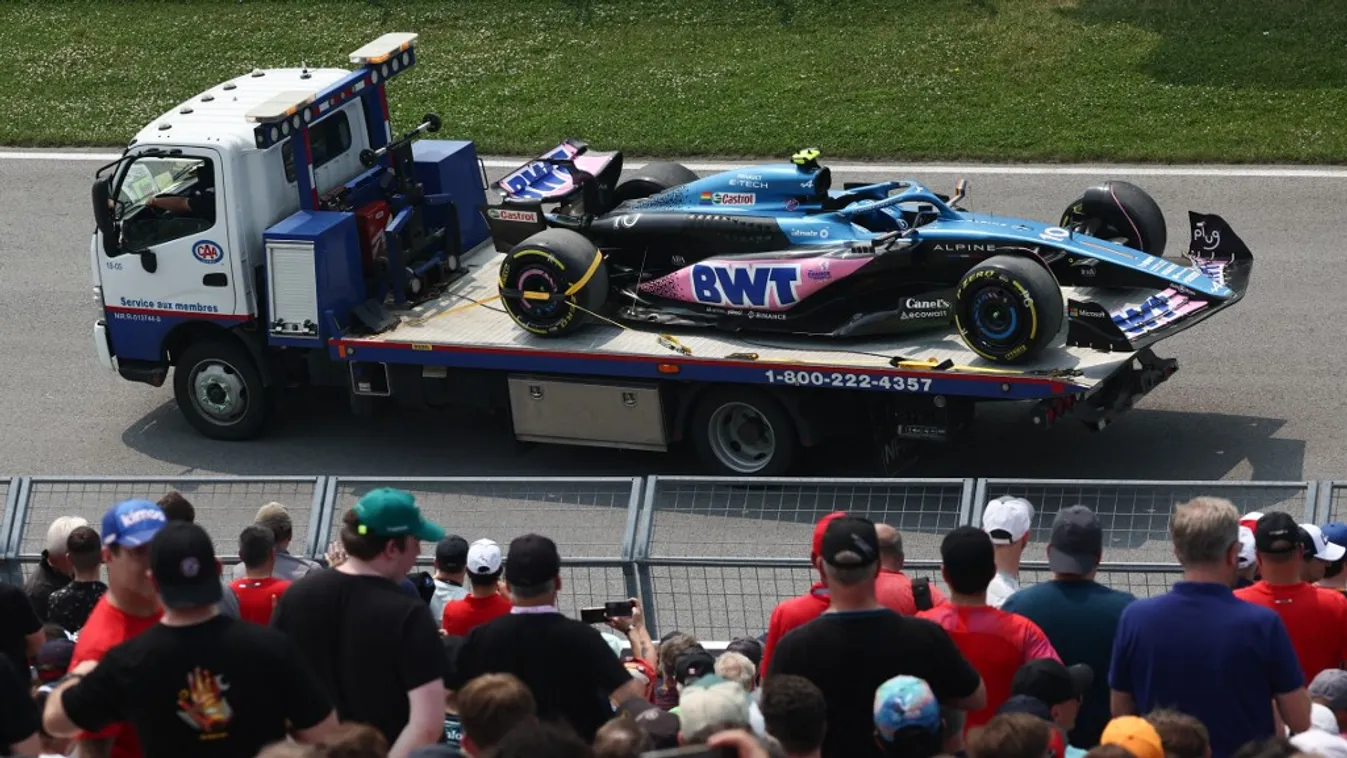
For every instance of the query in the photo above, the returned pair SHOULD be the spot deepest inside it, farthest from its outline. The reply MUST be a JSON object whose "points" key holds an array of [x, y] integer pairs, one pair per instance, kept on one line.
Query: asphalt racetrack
{"points": [[1259, 394]]}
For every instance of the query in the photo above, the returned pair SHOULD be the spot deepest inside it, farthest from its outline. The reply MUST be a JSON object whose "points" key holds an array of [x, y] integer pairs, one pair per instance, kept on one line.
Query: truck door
{"points": [[174, 263]]}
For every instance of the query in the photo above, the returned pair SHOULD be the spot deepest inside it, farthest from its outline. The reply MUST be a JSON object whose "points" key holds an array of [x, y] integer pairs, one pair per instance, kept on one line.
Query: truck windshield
{"points": [[154, 175]]}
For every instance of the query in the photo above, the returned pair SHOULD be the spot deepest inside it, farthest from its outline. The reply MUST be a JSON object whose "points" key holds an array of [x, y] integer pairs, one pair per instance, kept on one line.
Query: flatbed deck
{"points": [[467, 327]]}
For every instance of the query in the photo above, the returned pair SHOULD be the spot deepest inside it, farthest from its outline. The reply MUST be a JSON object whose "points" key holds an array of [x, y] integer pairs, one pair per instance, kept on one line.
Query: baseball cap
{"points": [[968, 546], [1247, 555], [850, 541], [182, 562], [483, 557], [661, 725], [712, 701], [820, 528], [1077, 541], [1323, 719], [1322, 548], [1331, 685], [533, 560], [1026, 704], [1250, 519], [132, 523], [1136, 735], [1277, 532], [452, 551], [1051, 681], [388, 512], [902, 702], [53, 659], [1316, 742], [1007, 519], [1336, 533], [693, 665]]}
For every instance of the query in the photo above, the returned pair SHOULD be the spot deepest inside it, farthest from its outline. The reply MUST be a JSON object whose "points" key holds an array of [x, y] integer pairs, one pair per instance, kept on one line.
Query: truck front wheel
{"points": [[220, 390]]}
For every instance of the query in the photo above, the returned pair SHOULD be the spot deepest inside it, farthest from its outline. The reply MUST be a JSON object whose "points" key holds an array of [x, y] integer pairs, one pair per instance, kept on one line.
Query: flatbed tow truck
{"points": [[271, 233]]}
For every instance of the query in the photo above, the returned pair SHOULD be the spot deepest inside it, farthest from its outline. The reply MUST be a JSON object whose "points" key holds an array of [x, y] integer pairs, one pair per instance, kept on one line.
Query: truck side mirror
{"points": [[102, 200]]}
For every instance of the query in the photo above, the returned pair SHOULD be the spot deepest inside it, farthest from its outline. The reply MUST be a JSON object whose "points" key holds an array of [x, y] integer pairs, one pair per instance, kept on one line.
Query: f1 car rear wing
{"points": [[1214, 250], [544, 179]]}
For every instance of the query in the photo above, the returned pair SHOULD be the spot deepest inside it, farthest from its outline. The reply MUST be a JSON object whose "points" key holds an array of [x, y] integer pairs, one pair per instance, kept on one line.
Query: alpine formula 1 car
{"points": [[775, 248]]}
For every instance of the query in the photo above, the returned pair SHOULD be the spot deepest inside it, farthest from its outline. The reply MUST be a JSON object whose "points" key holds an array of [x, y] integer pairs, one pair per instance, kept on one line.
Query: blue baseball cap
{"points": [[905, 701], [132, 523], [1336, 533]]}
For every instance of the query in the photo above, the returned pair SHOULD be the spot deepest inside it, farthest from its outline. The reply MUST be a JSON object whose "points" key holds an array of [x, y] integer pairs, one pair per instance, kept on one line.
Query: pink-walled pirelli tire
{"points": [[220, 391], [552, 282]]}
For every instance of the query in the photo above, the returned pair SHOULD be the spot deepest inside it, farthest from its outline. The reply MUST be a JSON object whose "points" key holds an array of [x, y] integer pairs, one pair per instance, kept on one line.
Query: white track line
{"points": [[1257, 172]]}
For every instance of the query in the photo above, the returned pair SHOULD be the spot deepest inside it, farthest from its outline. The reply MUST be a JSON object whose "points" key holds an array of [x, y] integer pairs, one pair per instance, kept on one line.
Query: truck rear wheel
{"points": [[220, 391], [740, 432]]}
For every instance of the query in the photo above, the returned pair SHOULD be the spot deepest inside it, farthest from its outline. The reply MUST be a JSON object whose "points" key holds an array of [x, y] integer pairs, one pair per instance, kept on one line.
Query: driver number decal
{"points": [[1055, 234], [848, 379], [208, 252]]}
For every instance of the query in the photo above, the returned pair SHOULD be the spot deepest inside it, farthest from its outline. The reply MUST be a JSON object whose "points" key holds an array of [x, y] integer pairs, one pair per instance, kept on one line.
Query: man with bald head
{"points": [[893, 588]]}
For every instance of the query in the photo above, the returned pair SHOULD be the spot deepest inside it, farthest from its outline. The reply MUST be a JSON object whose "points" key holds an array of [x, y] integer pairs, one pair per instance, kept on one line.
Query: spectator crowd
{"points": [[360, 655]]}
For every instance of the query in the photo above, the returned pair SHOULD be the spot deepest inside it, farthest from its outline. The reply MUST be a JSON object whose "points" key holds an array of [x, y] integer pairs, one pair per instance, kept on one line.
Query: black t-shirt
{"points": [[19, 718], [224, 687], [847, 655], [17, 621], [565, 663], [369, 642], [71, 605]]}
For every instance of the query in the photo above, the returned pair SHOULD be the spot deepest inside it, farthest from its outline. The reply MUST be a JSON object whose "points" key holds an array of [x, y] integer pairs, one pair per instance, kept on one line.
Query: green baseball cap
{"points": [[388, 512]]}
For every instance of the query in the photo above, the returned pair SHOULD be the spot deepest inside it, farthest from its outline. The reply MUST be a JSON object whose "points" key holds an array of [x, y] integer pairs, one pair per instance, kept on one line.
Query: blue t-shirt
{"points": [[1201, 650], [1080, 619]]}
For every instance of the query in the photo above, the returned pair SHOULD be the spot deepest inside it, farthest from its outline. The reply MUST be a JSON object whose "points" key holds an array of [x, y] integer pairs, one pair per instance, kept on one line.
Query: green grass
{"points": [[1130, 80]]}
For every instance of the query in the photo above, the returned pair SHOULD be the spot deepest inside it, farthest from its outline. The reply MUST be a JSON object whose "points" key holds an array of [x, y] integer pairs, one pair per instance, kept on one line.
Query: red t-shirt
{"points": [[108, 627], [893, 590], [460, 616], [1315, 618], [257, 597], [791, 613], [997, 643]]}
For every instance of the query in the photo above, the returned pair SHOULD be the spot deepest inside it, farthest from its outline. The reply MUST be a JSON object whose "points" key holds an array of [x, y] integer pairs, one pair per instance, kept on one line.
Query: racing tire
{"points": [[220, 391], [1008, 309], [743, 432], [652, 179], [555, 262], [1120, 212]]}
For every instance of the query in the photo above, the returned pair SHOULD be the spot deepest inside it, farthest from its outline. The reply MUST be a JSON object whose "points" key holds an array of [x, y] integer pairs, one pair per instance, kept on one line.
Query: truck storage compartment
{"points": [[603, 414]]}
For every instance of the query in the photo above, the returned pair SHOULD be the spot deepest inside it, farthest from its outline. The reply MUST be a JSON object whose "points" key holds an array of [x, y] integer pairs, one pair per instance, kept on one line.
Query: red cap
{"points": [[820, 528]]}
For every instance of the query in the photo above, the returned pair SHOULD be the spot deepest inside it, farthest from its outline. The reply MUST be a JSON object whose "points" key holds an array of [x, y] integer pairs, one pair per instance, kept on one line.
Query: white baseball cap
{"points": [[1246, 547], [1250, 520], [1013, 515], [1323, 549], [484, 557]]}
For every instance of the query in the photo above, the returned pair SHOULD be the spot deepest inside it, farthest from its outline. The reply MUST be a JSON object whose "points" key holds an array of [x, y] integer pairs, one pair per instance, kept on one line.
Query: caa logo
{"points": [[755, 286], [208, 252]]}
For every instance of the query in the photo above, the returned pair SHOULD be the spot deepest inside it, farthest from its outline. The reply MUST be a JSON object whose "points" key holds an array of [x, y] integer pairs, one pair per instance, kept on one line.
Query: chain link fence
{"points": [[708, 556]]}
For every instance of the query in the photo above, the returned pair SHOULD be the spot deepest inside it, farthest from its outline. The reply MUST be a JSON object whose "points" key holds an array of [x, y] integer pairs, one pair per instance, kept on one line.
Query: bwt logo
{"points": [[538, 179], [745, 285], [208, 252]]}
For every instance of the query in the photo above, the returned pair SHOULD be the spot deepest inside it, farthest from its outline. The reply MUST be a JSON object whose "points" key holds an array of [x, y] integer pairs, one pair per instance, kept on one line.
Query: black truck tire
{"points": [[652, 179], [1008, 309], [219, 389], [557, 262], [738, 431], [1119, 212]]}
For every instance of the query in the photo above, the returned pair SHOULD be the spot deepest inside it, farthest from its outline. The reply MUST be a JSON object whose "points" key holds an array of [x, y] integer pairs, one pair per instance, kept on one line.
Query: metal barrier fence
{"points": [[710, 556]]}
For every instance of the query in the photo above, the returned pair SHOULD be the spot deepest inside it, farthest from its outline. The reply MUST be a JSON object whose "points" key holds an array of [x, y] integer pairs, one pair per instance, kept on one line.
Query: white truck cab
{"points": [[235, 178]]}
